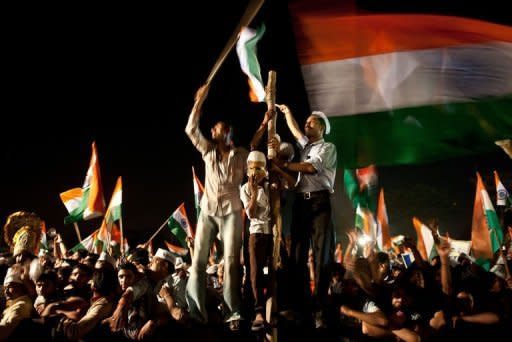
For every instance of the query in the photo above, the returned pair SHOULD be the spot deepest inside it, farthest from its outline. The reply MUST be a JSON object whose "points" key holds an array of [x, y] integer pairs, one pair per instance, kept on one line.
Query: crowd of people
{"points": [[364, 294]]}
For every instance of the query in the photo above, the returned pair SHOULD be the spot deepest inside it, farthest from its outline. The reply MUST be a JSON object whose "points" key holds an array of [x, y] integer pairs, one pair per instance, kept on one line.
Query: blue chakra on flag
{"points": [[183, 222], [502, 194]]}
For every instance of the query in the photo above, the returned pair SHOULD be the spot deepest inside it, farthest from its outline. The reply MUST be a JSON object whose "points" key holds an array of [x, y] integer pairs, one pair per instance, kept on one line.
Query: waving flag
{"points": [[425, 243], [383, 236], [247, 55], [179, 225], [88, 202], [403, 88], [89, 243], [176, 250], [502, 195], [112, 215], [198, 192], [486, 233]]}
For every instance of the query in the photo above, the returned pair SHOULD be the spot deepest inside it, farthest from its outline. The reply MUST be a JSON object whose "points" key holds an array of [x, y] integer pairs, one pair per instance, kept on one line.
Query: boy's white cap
{"points": [[257, 156], [12, 277], [104, 256], [166, 255], [326, 120]]}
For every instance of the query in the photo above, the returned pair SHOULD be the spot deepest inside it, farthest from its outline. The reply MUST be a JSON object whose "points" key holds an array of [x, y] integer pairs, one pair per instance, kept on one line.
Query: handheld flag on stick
{"points": [[88, 202], [486, 233], [179, 225], [113, 214], [502, 195], [198, 192], [247, 55]]}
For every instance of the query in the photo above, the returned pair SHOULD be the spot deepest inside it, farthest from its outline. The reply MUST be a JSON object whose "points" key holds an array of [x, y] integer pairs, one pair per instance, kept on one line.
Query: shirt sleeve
{"points": [[244, 195], [196, 137], [325, 157], [99, 310], [302, 142]]}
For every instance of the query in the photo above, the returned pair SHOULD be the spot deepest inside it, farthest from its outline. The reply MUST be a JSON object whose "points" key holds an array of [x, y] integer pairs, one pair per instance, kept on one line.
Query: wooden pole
{"points": [[270, 98], [275, 203], [157, 231], [122, 235], [77, 230], [253, 8]]}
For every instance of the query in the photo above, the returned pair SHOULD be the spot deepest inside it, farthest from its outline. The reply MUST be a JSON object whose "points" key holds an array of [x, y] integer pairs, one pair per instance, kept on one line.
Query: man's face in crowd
{"points": [[219, 131], [13, 291], [126, 278], [256, 168], [313, 127], [78, 278], [45, 288]]}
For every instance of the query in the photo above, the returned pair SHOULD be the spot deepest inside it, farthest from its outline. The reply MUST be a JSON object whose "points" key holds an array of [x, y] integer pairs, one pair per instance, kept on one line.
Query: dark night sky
{"points": [[125, 76]]}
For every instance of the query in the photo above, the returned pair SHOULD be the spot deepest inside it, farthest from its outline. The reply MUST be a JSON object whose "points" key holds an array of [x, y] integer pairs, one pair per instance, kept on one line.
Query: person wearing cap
{"points": [[312, 208], [255, 197], [105, 260], [19, 304], [221, 212]]}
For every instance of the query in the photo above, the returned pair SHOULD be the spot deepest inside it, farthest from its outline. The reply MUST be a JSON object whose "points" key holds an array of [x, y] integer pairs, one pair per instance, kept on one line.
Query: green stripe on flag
{"points": [[421, 134], [178, 231]]}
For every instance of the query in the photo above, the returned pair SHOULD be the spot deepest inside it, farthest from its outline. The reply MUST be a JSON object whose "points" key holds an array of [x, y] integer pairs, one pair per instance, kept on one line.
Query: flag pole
{"points": [[122, 235], [157, 231], [253, 8], [77, 230], [275, 204]]}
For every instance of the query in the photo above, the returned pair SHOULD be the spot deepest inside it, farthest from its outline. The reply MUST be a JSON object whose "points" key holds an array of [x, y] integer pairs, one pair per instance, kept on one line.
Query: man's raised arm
{"points": [[192, 128]]}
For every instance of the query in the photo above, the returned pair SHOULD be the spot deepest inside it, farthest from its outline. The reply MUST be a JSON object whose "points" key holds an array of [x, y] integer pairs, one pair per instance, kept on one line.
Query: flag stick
{"points": [[122, 234], [275, 205], [157, 231], [253, 8], [77, 230]]}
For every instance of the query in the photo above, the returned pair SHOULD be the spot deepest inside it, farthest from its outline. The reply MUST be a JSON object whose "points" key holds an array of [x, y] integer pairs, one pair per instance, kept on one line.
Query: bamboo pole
{"points": [[77, 231], [157, 231]]}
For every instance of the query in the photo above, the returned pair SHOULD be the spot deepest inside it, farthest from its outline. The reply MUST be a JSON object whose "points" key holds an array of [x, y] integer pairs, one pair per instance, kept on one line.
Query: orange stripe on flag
{"points": [[322, 38], [480, 238], [420, 244]]}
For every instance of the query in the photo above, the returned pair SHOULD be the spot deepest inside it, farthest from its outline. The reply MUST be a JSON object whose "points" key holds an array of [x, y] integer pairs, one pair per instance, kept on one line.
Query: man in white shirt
{"points": [[221, 212], [311, 223]]}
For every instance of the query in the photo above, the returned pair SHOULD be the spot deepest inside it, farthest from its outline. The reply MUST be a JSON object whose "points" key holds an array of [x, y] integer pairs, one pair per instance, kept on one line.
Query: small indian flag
{"points": [[177, 250], [486, 233], [113, 213], [246, 50], [198, 192], [383, 236], [502, 195], [88, 243], [88, 202], [179, 225], [365, 222], [425, 243]]}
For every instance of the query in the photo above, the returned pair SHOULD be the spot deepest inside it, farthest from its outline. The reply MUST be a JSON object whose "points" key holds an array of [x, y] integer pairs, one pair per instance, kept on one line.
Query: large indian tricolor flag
{"points": [[87, 202], [405, 88]]}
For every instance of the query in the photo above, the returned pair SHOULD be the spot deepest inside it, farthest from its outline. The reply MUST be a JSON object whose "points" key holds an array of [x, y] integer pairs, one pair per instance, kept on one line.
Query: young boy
{"points": [[255, 197]]}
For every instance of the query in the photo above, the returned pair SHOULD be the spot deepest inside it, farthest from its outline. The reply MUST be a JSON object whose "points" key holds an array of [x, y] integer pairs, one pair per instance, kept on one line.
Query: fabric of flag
{"points": [[365, 222], [247, 55], [361, 187], [502, 195], [425, 243], [383, 236], [112, 215], [404, 88], [43, 242], [90, 202], [89, 243], [486, 233], [176, 250], [179, 225], [198, 192]]}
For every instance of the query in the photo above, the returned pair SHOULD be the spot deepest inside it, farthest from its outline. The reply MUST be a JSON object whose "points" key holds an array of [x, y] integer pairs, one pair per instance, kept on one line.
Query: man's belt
{"points": [[313, 194]]}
